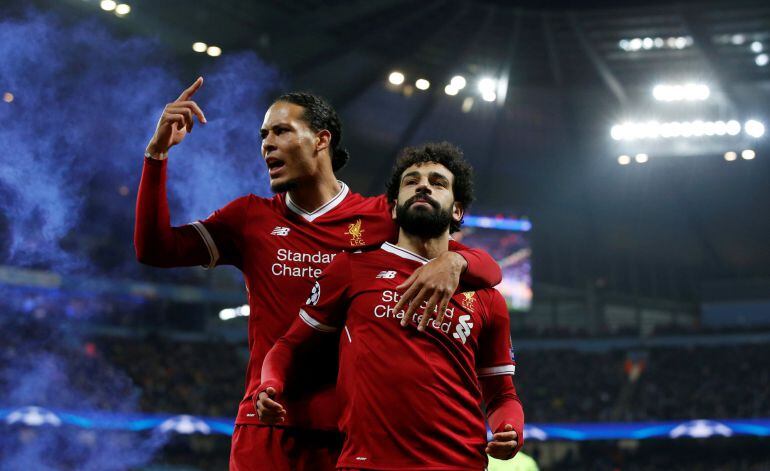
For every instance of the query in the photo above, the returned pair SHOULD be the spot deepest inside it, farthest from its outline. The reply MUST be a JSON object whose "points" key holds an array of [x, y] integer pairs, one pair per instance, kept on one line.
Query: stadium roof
{"points": [[542, 147]]}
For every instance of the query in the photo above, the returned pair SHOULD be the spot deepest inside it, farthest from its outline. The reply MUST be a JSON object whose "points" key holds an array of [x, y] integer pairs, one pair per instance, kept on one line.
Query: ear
{"points": [[323, 140], [393, 210], [457, 211]]}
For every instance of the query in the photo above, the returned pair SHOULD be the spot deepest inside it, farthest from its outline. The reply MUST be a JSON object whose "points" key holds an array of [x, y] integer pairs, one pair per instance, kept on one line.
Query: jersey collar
{"points": [[325, 208], [403, 253]]}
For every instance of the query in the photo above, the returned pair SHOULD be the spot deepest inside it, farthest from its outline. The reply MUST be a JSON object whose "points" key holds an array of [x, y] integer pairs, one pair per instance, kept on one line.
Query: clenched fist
{"points": [[176, 121]]}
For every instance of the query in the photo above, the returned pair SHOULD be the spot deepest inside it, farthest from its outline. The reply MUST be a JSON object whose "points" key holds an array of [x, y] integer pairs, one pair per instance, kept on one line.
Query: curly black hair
{"points": [[446, 154], [319, 115]]}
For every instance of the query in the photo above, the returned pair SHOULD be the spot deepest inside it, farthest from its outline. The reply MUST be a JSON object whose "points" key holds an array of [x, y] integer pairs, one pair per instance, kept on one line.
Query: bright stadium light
{"points": [[649, 43], [629, 131], [487, 85], [624, 160], [642, 158], [108, 5], [738, 39], [688, 92], [214, 51], [450, 90], [730, 156], [748, 154], [422, 84], [122, 9], [489, 96], [458, 82], [754, 128], [232, 313], [756, 47], [7, 97], [761, 60], [396, 78], [200, 47]]}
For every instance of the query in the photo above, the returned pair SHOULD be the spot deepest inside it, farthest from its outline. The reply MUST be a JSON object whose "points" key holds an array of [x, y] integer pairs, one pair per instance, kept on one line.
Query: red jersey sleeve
{"points": [[222, 232], [155, 241], [208, 243], [482, 271], [495, 354], [324, 311], [327, 304], [495, 368]]}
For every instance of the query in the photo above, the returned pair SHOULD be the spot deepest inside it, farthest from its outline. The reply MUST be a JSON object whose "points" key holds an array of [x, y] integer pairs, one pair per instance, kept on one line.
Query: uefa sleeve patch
{"points": [[315, 295]]}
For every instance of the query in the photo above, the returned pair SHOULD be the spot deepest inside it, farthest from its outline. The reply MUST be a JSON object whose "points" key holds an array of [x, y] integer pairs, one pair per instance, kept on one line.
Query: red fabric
{"points": [[279, 251], [258, 448], [411, 400], [503, 406], [155, 241]]}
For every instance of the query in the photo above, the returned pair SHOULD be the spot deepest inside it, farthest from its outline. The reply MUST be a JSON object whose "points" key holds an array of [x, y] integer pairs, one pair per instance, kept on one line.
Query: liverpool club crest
{"points": [[469, 300], [355, 231]]}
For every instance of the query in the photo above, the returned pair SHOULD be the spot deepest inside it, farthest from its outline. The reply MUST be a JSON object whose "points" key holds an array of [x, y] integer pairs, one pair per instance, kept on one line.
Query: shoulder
{"points": [[377, 204], [493, 301], [261, 204]]}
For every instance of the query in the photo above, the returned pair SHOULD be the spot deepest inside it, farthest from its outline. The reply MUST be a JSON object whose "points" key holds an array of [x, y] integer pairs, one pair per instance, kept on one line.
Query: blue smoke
{"points": [[71, 143], [85, 105], [46, 366]]}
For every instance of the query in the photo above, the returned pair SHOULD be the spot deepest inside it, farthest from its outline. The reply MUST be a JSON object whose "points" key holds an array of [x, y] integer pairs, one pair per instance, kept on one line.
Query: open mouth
{"points": [[274, 166]]}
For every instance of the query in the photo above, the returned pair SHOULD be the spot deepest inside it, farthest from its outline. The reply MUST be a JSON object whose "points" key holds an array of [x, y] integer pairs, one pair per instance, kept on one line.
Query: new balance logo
{"points": [[463, 329], [280, 231], [387, 274]]}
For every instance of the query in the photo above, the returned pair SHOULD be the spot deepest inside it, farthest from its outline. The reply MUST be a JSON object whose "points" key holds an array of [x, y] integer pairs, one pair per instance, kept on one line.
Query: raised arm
{"points": [[155, 241]]}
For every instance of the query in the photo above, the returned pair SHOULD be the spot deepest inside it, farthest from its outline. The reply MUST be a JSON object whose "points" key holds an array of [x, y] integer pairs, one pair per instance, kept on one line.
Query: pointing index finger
{"points": [[191, 90]]}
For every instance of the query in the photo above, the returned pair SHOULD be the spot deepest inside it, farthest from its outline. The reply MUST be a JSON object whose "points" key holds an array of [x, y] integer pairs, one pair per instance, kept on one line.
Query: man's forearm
{"points": [[155, 241], [482, 271], [503, 405], [279, 359]]}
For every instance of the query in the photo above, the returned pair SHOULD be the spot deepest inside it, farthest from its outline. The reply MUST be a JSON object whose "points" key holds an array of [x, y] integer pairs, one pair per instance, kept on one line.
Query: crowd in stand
{"points": [[206, 378], [200, 378]]}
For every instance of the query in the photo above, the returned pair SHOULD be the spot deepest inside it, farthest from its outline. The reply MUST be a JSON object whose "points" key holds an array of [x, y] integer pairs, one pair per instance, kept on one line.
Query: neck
{"points": [[429, 248], [317, 193]]}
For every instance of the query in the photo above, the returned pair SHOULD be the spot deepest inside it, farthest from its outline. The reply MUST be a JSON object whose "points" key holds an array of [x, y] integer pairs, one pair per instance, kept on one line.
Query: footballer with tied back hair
{"points": [[314, 216]]}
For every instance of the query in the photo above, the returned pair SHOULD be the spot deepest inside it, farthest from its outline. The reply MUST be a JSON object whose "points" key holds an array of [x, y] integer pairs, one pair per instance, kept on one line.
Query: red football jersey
{"points": [[411, 400], [281, 249]]}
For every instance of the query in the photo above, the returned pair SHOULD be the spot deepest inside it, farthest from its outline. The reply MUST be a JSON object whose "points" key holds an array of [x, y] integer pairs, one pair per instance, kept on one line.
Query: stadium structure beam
{"points": [[348, 45], [596, 60], [696, 28], [394, 56], [553, 54], [339, 14], [428, 105], [506, 70]]}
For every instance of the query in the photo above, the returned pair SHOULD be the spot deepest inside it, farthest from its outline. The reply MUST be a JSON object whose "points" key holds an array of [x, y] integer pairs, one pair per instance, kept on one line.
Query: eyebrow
{"points": [[276, 125], [415, 173]]}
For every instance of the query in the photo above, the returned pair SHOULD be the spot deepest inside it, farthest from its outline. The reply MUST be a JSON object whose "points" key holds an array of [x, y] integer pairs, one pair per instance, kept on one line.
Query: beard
{"points": [[421, 221], [283, 187]]}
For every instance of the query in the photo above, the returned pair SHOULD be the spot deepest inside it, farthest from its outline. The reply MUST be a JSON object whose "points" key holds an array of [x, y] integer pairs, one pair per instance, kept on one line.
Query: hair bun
{"points": [[339, 158]]}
